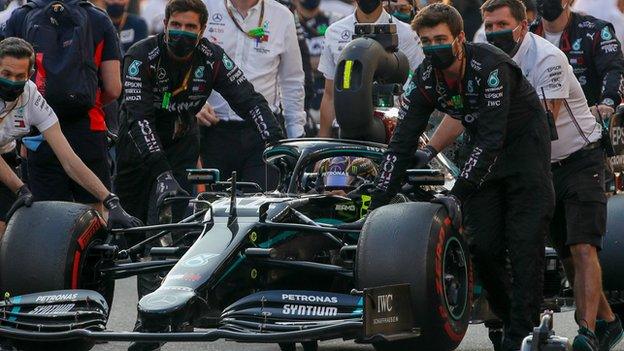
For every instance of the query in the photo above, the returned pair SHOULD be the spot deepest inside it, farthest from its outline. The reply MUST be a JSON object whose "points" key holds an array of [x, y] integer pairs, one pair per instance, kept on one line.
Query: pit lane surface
{"points": [[124, 313]]}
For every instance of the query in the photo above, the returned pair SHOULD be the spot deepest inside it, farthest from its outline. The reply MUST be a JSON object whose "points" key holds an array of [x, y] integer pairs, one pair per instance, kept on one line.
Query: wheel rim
{"points": [[455, 278]]}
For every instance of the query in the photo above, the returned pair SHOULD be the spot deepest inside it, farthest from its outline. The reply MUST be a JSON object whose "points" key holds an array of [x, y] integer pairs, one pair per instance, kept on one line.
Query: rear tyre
{"points": [[415, 243], [47, 247], [611, 258]]}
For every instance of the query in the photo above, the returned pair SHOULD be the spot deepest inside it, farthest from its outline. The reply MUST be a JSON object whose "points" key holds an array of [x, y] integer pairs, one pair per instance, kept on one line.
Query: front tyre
{"points": [[414, 243]]}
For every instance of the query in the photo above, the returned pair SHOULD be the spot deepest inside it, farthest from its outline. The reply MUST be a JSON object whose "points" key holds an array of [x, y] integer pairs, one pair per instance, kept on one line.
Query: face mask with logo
{"points": [[181, 43], [441, 55], [368, 6], [10, 90], [504, 40], [310, 4], [115, 10], [402, 16], [550, 9]]}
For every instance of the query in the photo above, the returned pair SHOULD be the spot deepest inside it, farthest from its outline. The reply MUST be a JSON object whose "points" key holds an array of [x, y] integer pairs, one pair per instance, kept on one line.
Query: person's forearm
{"points": [[82, 175], [8, 177], [448, 130], [327, 116]]}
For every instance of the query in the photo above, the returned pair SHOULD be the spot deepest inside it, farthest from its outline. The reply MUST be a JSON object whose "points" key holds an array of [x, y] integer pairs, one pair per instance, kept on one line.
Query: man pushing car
{"points": [[505, 188]]}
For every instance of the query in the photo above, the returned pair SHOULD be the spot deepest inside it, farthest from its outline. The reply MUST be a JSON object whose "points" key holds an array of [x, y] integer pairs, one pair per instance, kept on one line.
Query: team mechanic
{"points": [[21, 108], [505, 186], [577, 165], [167, 79], [592, 49]]}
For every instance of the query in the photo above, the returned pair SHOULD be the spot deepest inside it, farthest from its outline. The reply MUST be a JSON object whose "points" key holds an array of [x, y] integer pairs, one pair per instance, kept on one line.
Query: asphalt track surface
{"points": [[124, 313]]}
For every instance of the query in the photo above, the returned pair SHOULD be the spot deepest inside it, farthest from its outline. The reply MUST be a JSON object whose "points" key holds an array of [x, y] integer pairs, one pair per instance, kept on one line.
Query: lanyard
{"points": [[457, 100], [254, 33], [167, 95]]}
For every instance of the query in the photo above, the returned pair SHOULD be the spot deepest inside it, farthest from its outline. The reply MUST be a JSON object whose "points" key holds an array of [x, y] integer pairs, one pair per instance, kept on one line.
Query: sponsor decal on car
{"points": [[55, 298], [189, 277], [307, 310], [52, 309], [199, 260], [310, 298]]}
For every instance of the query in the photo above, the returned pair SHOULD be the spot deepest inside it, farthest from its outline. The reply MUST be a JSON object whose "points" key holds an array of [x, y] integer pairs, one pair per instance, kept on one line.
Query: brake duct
{"points": [[369, 65]]}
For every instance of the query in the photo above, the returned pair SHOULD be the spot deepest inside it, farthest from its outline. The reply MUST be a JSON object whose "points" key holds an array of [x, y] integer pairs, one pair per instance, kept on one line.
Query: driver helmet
{"points": [[345, 173]]}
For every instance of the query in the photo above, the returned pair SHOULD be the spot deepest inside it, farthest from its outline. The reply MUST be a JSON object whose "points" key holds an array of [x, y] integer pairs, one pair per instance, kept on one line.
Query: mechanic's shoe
{"points": [[609, 334], [585, 341]]}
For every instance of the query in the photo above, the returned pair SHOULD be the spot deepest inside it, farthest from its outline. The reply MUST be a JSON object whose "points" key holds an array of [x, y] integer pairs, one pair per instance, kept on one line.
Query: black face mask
{"points": [[115, 10], [550, 10], [441, 56], [504, 40], [181, 43], [11, 90], [368, 6], [310, 4]]}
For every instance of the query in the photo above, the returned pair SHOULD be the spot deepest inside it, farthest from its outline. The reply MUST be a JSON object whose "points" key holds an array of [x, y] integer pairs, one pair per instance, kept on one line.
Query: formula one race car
{"points": [[258, 267]]}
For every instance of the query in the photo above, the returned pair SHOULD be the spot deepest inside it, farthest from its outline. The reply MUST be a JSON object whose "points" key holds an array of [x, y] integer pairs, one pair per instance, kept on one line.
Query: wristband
{"points": [[111, 201]]}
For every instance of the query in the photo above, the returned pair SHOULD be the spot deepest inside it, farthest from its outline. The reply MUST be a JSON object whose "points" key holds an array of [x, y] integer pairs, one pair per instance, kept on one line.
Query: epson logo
{"points": [[309, 298], [302, 310], [345, 207]]}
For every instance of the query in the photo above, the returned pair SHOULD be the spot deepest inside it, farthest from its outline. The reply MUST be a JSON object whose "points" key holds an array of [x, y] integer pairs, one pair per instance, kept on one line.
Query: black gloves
{"points": [[117, 216], [24, 198], [453, 206], [423, 156], [164, 187]]}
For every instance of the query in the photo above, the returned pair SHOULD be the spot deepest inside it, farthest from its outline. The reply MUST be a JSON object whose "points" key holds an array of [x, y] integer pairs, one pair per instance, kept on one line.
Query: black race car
{"points": [[260, 267]]}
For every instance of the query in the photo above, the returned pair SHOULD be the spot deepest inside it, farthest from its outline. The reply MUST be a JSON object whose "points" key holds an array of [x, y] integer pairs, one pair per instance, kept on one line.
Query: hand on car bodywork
{"points": [[117, 216], [453, 207], [166, 186], [24, 198]]}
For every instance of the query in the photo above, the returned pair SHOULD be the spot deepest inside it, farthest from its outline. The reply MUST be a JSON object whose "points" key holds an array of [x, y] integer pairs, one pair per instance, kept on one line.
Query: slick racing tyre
{"points": [[47, 247], [414, 243], [611, 258]]}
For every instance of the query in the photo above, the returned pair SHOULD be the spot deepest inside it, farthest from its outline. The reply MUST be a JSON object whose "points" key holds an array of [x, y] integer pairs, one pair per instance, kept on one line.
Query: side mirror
{"points": [[203, 175], [418, 177]]}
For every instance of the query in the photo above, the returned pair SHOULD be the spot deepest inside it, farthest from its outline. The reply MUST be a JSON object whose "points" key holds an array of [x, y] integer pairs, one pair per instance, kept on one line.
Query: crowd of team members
{"points": [[218, 80]]}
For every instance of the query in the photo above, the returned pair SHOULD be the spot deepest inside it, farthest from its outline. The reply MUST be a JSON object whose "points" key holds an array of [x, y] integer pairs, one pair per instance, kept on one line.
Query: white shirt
{"points": [[479, 36], [153, 12], [553, 38], [605, 10], [31, 110], [6, 13], [339, 34], [272, 65], [547, 67], [338, 7]]}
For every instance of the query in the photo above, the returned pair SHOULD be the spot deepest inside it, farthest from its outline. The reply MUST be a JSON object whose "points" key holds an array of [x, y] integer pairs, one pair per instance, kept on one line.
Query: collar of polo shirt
{"points": [[251, 10]]}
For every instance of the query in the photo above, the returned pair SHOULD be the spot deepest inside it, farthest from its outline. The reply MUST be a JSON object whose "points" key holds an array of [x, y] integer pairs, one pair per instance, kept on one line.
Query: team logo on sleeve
{"points": [[199, 72], [493, 80], [227, 63], [577, 45], [410, 87], [605, 34], [133, 69]]}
